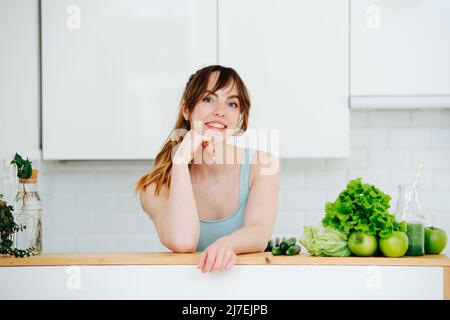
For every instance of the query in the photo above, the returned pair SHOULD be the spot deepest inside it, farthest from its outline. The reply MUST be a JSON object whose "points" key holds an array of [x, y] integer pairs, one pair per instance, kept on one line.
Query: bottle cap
{"points": [[32, 179]]}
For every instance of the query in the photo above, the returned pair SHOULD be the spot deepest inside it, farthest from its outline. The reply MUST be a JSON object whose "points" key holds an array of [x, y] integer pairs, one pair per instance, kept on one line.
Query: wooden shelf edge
{"points": [[167, 258], [447, 283]]}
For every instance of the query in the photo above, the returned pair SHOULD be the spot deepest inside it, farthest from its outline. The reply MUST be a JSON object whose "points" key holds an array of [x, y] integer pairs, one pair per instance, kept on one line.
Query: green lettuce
{"points": [[324, 241], [363, 207]]}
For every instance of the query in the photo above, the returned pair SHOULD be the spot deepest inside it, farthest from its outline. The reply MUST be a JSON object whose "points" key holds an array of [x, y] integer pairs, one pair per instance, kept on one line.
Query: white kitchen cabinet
{"points": [[242, 282], [19, 79], [400, 54], [114, 71], [293, 57]]}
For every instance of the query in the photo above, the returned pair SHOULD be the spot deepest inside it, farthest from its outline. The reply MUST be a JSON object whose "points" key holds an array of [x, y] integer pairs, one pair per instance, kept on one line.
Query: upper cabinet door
{"points": [[19, 81], [400, 48], [293, 57], [113, 73]]}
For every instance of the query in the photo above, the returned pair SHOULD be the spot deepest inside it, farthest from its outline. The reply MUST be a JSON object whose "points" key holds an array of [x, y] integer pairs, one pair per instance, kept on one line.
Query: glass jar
{"points": [[414, 217], [28, 213]]}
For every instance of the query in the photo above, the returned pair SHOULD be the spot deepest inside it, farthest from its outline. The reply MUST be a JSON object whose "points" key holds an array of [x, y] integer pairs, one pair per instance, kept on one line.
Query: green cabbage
{"points": [[324, 241], [361, 207]]}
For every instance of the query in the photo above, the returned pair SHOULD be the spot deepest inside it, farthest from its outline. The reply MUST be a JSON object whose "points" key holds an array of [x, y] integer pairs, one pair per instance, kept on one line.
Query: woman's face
{"points": [[218, 113]]}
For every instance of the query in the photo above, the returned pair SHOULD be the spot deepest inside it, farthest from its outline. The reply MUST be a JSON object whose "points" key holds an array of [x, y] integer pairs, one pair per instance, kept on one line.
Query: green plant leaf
{"points": [[7, 229], [24, 168], [360, 206], [17, 159], [27, 170]]}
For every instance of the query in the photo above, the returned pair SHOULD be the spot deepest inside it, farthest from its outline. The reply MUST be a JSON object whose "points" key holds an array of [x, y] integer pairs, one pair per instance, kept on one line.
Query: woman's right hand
{"points": [[189, 145]]}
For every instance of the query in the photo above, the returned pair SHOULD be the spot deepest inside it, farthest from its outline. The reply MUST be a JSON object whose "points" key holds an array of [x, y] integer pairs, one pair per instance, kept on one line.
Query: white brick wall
{"points": [[89, 205], [386, 147]]}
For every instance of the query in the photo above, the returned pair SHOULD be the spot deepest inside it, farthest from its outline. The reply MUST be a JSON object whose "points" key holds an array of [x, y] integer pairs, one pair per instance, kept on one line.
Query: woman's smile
{"points": [[216, 126]]}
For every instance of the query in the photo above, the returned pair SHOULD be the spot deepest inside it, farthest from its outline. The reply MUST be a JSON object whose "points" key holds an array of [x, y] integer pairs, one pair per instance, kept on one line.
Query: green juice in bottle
{"points": [[416, 237], [409, 210]]}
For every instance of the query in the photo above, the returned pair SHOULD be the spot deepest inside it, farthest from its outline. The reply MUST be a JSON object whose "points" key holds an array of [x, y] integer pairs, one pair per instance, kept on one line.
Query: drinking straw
{"points": [[414, 184]]}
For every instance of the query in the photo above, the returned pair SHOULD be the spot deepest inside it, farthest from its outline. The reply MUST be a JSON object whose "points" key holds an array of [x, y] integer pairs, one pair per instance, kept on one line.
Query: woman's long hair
{"points": [[195, 89]]}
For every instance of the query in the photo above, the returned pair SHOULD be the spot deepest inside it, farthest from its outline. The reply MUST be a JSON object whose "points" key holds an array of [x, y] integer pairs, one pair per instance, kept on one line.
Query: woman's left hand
{"points": [[217, 257]]}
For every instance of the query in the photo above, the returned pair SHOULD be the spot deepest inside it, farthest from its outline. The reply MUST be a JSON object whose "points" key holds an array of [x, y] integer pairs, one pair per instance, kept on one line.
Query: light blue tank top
{"points": [[211, 230]]}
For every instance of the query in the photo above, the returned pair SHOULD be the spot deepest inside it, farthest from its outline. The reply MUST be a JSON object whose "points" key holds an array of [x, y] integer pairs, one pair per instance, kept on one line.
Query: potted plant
{"points": [[8, 227]]}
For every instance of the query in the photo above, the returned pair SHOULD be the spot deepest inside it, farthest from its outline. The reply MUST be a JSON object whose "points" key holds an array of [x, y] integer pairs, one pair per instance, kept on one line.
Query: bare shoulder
{"points": [[154, 205], [264, 165]]}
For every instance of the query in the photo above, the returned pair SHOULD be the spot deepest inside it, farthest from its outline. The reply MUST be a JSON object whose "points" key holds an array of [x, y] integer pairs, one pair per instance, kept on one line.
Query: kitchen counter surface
{"points": [[165, 275], [167, 258]]}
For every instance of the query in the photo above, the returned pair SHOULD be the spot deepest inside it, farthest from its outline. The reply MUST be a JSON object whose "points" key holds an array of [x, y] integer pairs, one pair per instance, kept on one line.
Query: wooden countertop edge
{"points": [[168, 258]]}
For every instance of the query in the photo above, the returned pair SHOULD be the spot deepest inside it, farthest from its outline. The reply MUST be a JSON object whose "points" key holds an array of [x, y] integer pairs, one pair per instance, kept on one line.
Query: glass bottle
{"points": [[414, 217], [28, 212]]}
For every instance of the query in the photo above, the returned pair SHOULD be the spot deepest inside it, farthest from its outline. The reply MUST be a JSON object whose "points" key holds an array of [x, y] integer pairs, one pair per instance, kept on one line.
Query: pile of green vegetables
{"points": [[287, 247], [360, 208]]}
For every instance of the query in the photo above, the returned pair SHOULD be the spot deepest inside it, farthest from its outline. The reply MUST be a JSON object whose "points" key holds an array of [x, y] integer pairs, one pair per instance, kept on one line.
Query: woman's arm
{"points": [[260, 216], [176, 218], [180, 228], [171, 212]]}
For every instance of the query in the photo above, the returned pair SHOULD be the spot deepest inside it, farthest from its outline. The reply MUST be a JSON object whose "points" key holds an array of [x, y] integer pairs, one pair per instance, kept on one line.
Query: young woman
{"points": [[204, 194]]}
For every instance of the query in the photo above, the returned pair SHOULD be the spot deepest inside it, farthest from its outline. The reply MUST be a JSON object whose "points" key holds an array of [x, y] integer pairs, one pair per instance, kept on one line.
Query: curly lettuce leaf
{"points": [[361, 207]]}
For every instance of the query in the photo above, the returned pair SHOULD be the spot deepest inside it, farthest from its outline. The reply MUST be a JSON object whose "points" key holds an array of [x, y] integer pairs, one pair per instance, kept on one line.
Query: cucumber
{"points": [[292, 241], [276, 251], [284, 246], [293, 250]]}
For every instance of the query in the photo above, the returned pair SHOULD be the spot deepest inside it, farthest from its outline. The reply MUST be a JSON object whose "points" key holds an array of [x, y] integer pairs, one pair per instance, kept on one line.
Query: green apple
{"points": [[362, 244], [435, 240], [395, 245]]}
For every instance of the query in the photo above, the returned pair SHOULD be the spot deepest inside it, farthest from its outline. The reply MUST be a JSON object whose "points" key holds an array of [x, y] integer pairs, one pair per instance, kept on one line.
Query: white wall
{"points": [[89, 206]]}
